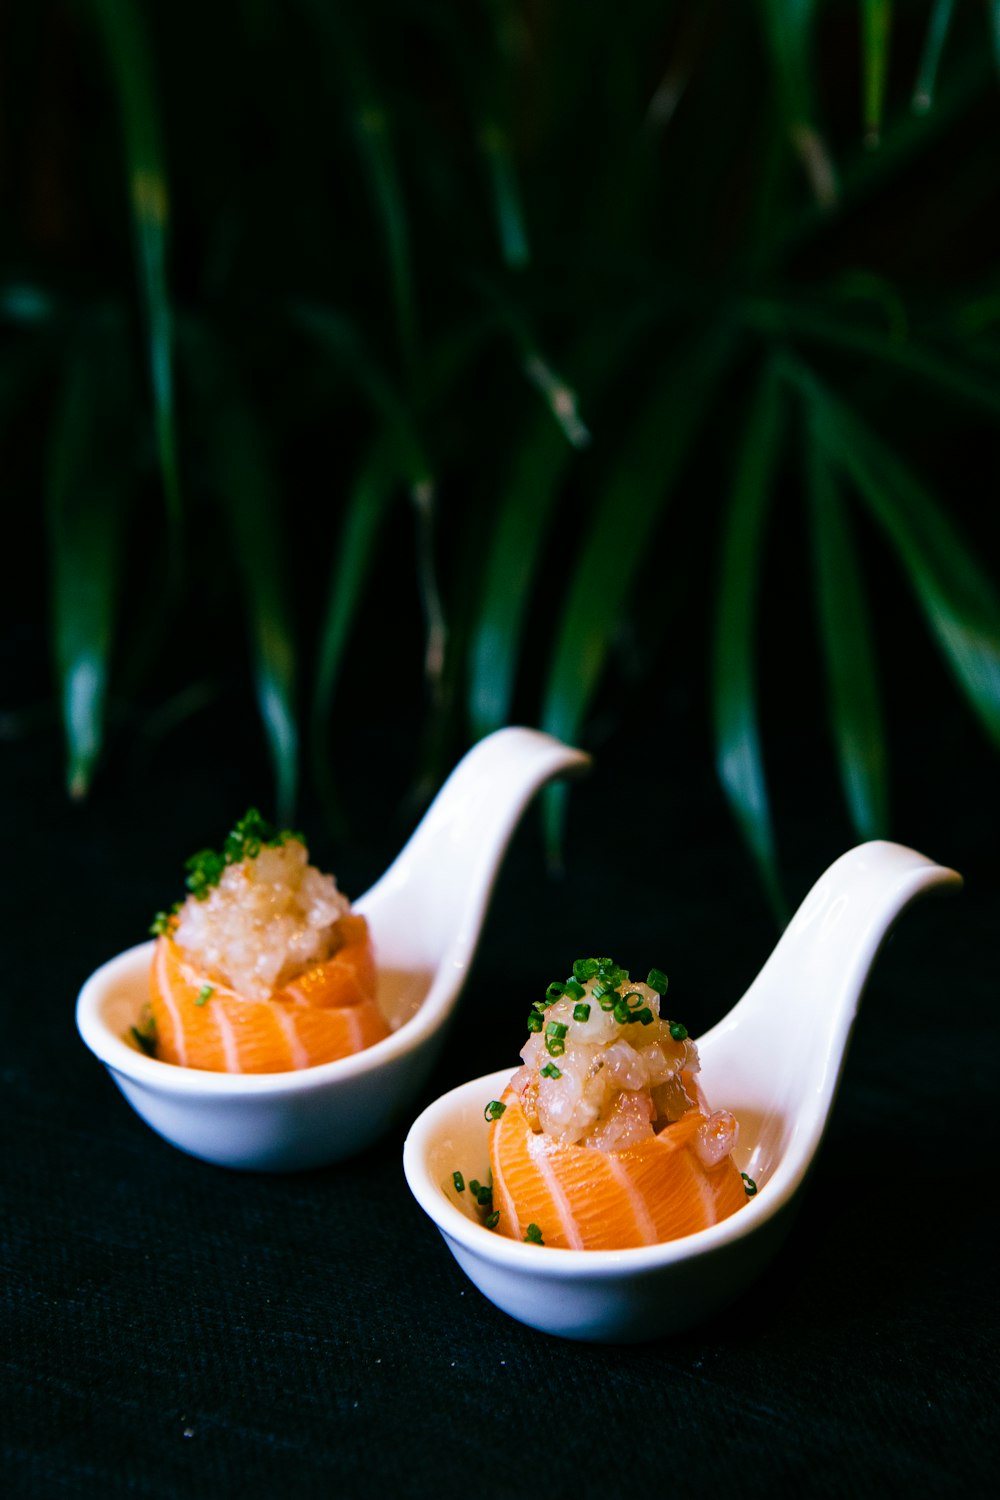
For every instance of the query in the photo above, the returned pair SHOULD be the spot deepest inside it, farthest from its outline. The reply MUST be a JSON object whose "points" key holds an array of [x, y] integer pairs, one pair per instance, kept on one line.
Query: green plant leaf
{"points": [[738, 755], [855, 705], [242, 482], [876, 24], [616, 539], [335, 332], [371, 121], [942, 371], [354, 556], [541, 460], [788, 27], [87, 486], [122, 28], [957, 596], [930, 61]]}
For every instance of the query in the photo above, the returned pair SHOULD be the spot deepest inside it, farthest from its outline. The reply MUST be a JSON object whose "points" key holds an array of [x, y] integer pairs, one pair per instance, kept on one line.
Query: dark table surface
{"points": [[172, 1328]]}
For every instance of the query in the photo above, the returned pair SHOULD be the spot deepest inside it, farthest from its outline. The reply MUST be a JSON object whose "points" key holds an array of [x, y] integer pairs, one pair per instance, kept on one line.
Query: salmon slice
{"points": [[329, 1011], [585, 1199]]}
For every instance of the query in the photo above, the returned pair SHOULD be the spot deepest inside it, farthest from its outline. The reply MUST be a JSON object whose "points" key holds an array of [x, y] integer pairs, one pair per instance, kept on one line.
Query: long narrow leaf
{"points": [[617, 538], [739, 758], [876, 24], [542, 459], [940, 370], [788, 26], [241, 478], [338, 335], [86, 489], [930, 61], [372, 127], [122, 28], [354, 556], [855, 705], [957, 596]]}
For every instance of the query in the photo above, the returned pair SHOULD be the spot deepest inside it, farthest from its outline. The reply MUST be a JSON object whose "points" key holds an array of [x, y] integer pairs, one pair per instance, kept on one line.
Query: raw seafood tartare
{"points": [[603, 1140], [263, 968]]}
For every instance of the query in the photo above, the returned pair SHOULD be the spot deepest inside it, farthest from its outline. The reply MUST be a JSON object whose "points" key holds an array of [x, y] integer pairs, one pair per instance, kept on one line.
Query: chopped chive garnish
{"points": [[494, 1110], [204, 994], [633, 998], [550, 1071], [657, 980], [581, 1013], [492, 1220], [535, 1022], [144, 1040], [601, 989], [678, 1032], [555, 991], [607, 1002], [484, 1197], [474, 1186], [459, 1182], [749, 1186], [533, 1235], [621, 1011], [555, 1046], [645, 1015], [557, 1029], [574, 990], [585, 968]]}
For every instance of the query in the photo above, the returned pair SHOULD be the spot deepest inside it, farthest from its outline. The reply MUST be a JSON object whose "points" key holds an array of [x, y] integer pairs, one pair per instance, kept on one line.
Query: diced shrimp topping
{"points": [[603, 1068], [259, 914]]}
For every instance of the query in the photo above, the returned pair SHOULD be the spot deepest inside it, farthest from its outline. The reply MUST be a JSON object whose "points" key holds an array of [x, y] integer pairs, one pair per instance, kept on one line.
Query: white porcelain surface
{"points": [[775, 1060], [425, 915]]}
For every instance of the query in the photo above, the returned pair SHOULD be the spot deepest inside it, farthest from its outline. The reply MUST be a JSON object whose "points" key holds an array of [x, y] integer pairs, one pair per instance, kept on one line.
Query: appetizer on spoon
{"points": [[774, 1061], [424, 917]]}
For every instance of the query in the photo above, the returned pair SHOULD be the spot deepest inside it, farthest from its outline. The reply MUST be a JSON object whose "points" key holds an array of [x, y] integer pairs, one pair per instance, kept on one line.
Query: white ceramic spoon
{"points": [[425, 915], [775, 1061]]}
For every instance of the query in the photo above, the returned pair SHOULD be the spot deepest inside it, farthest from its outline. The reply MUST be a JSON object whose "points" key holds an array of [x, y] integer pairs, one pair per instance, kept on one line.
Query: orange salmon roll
{"points": [[582, 1198], [603, 1140], [264, 968]]}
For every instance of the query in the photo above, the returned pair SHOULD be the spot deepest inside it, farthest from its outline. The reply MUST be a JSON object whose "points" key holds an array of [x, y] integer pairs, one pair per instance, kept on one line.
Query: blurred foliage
{"points": [[535, 334]]}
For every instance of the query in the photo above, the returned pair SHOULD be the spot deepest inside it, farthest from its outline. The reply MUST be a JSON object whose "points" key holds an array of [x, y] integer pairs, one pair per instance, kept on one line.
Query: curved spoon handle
{"points": [[795, 1020], [434, 894]]}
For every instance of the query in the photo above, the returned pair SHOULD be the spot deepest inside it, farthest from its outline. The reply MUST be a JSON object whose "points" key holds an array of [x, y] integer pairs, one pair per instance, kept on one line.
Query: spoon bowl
{"points": [[775, 1060], [425, 916]]}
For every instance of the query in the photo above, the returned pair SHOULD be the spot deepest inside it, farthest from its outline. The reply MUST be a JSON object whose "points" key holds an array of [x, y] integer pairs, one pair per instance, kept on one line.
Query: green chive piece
{"points": [[474, 1186], [204, 994], [554, 1046], [551, 1071], [555, 991], [678, 1032], [535, 1022], [581, 1013], [585, 968], [494, 1110], [144, 1041], [657, 980], [632, 999], [557, 1029], [533, 1235], [749, 1186], [621, 1011], [574, 990], [459, 1182], [492, 1220], [485, 1197], [645, 1016]]}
